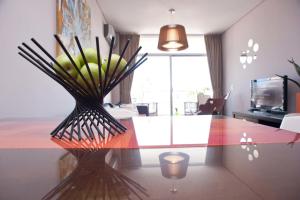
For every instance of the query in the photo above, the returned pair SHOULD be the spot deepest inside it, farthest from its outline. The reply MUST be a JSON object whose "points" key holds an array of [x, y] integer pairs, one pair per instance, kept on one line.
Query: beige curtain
{"points": [[125, 85], [214, 55]]}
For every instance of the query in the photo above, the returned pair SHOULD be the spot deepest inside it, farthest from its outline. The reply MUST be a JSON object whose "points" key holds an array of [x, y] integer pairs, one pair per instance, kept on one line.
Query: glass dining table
{"points": [[158, 157]]}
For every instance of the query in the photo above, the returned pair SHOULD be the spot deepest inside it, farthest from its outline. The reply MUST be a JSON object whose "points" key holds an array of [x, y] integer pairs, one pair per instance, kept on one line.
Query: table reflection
{"points": [[266, 166], [296, 138], [91, 172], [173, 130], [249, 145], [174, 166]]}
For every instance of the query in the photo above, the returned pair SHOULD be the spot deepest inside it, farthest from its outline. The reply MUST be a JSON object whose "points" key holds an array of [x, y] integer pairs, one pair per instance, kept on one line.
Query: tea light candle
{"points": [[174, 158]]}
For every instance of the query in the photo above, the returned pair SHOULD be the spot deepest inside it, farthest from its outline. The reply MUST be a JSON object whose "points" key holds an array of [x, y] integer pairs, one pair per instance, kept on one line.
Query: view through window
{"points": [[172, 79]]}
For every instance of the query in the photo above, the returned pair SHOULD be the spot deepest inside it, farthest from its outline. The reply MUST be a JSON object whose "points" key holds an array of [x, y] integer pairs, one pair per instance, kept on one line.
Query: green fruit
{"points": [[67, 65], [95, 73], [113, 65], [90, 55]]}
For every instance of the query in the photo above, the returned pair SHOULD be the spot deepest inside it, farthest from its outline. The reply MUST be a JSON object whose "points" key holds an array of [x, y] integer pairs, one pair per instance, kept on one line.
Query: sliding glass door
{"points": [[151, 84], [171, 79], [171, 82], [190, 76]]}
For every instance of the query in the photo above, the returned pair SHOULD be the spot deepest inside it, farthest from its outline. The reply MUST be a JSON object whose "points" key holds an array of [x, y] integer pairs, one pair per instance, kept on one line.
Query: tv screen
{"points": [[269, 94]]}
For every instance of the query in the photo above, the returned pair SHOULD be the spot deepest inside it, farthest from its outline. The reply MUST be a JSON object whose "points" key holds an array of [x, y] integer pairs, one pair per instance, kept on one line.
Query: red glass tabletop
{"points": [[163, 157]]}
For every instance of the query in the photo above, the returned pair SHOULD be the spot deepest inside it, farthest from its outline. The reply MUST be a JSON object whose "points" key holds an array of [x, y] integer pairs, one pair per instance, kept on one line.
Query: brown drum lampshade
{"points": [[172, 37]]}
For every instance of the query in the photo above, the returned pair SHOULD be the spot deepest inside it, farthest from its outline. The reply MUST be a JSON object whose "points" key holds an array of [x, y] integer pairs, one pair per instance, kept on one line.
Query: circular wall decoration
{"points": [[256, 47], [250, 43], [248, 56]]}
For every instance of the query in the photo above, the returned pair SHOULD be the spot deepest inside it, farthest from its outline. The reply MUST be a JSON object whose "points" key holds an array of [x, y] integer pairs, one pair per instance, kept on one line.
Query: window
{"points": [[171, 78]]}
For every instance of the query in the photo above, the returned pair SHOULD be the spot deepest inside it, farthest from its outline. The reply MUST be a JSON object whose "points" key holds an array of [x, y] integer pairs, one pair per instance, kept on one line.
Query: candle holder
{"points": [[89, 116], [174, 166]]}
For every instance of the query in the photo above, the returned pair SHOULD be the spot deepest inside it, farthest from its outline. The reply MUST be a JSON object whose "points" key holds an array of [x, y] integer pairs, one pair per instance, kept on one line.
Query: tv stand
{"points": [[265, 118]]}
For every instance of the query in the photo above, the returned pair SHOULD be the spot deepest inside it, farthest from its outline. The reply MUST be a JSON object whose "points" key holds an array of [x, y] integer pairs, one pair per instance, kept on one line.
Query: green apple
{"points": [[95, 73], [67, 65], [113, 64], [90, 55]]}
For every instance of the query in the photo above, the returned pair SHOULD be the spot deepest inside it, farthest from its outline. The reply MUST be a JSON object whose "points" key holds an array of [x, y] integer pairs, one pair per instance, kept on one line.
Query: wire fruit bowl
{"points": [[89, 118]]}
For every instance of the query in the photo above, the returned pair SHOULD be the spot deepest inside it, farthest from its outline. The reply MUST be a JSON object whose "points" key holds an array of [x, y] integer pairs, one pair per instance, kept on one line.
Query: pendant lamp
{"points": [[172, 37]]}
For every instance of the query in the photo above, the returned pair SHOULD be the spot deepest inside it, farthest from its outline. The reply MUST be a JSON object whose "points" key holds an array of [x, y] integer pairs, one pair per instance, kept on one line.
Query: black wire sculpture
{"points": [[89, 116]]}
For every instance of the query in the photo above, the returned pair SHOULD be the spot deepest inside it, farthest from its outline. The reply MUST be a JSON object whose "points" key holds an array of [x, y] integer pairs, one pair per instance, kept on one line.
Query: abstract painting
{"points": [[73, 19]]}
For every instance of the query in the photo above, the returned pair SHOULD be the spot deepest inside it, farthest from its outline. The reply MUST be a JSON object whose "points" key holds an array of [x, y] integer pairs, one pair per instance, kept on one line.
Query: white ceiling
{"points": [[198, 16]]}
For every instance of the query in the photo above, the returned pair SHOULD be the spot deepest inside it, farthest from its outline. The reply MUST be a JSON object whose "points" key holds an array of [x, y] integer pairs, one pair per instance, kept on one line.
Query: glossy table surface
{"points": [[180, 157]]}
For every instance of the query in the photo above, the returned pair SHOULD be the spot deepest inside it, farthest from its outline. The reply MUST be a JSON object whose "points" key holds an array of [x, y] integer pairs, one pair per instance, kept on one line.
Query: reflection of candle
{"points": [[174, 158], [174, 164]]}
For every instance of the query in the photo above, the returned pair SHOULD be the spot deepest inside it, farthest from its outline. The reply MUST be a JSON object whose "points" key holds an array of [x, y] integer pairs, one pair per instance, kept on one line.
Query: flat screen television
{"points": [[269, 94]]}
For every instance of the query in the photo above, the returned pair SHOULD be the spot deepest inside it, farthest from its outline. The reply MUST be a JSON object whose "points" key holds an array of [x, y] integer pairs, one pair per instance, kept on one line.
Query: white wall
{"points": [[275, 25], [25, 91]]}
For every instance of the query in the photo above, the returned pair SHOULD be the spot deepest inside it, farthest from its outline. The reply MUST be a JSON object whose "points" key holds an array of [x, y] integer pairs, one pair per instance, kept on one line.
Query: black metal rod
{"points": [[54, 60], [82, 118], [130, 188], [132, 182], [124, 70], [118, 63], [108, 62], [80, 115], [100, 70], [111, 118], [87, 66], [66, 74], [93, 123], [131, 69], [54, 76], [105, 121], [111, 189], [86, 125], [97, 119], [125, 75], [85, 133], [74, 64], [72, 126], [38, 64], [78, 122], [128, 63], [70, 117], [60, 126]]}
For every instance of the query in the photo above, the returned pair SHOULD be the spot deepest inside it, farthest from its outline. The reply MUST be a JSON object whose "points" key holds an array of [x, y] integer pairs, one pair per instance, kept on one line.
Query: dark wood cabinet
{"points": [[268, 119]]}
